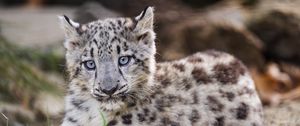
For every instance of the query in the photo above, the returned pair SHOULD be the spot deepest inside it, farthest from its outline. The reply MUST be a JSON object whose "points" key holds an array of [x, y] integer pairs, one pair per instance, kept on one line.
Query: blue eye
{"points": [[89, 64], [124, 60]]}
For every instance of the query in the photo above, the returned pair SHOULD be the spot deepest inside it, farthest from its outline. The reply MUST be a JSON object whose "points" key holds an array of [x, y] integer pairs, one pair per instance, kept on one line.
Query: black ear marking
{"points": [[144, 12], [67, 19], [144, 21]]}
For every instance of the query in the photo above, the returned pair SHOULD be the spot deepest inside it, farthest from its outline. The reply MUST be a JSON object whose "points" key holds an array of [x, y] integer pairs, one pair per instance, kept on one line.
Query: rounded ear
{"points": [[68, 26], [143, 29], [72, 32], [144, 21]]}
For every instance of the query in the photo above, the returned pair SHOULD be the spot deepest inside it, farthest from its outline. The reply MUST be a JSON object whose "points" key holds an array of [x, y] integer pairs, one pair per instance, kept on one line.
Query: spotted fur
{"points": [[205, 89]]}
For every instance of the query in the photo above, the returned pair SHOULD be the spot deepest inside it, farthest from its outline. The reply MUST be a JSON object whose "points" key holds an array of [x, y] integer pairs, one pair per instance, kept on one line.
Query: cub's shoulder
{"points": [[206, 59], [205, 67]]}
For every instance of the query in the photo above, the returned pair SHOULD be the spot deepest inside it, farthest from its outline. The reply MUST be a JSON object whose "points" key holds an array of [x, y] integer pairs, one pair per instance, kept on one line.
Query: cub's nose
{"points": [[109, 90]]}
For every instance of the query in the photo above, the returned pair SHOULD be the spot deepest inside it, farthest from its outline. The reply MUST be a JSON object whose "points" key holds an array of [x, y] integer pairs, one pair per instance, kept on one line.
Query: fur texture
{"points": [[113, 73]]}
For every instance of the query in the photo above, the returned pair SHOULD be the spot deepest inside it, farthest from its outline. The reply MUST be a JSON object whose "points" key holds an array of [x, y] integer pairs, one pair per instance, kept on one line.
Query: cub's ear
{"points": [[72, 31], [144, 21]]}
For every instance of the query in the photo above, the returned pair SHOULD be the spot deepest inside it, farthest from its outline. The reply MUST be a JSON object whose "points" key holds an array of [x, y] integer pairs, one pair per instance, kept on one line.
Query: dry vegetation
{"points": [[23, 79]]}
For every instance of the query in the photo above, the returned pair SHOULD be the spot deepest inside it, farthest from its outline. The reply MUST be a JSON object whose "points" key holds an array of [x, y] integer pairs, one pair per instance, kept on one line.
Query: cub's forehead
{"points": [[110, 24], [103, 31], [106, 36]]}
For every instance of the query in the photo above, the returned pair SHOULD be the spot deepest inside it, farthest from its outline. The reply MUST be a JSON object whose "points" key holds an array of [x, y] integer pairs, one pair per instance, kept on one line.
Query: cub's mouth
{"points": [[120, 93], [121, 96]]}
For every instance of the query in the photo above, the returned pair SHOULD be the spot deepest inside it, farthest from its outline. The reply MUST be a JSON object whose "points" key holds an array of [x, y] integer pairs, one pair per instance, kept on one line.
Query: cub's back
{"points": [[208, 88]]}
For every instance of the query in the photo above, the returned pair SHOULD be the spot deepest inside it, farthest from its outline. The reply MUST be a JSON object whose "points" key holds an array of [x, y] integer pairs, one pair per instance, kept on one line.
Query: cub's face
{"points": [[113, 58]]}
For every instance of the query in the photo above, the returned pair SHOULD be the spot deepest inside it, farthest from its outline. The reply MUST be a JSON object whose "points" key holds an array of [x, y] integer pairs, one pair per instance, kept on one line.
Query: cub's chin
{"points": [[116, 102], [112, 105]]}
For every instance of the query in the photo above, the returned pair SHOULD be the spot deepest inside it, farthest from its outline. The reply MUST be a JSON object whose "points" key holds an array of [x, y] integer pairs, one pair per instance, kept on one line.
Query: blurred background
{"points": [[264, 34]]}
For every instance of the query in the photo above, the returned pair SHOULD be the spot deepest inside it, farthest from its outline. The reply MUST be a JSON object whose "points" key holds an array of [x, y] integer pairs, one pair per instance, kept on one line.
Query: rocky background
{"points": [[264, 34]]}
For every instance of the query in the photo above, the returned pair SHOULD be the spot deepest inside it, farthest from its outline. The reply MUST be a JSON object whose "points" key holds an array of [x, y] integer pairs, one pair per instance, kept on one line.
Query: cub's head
{"points": [[112, 58]]}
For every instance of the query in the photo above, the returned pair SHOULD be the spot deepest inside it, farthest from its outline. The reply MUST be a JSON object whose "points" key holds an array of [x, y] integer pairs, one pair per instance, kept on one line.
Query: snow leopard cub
{"points": [[115, 81]]}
